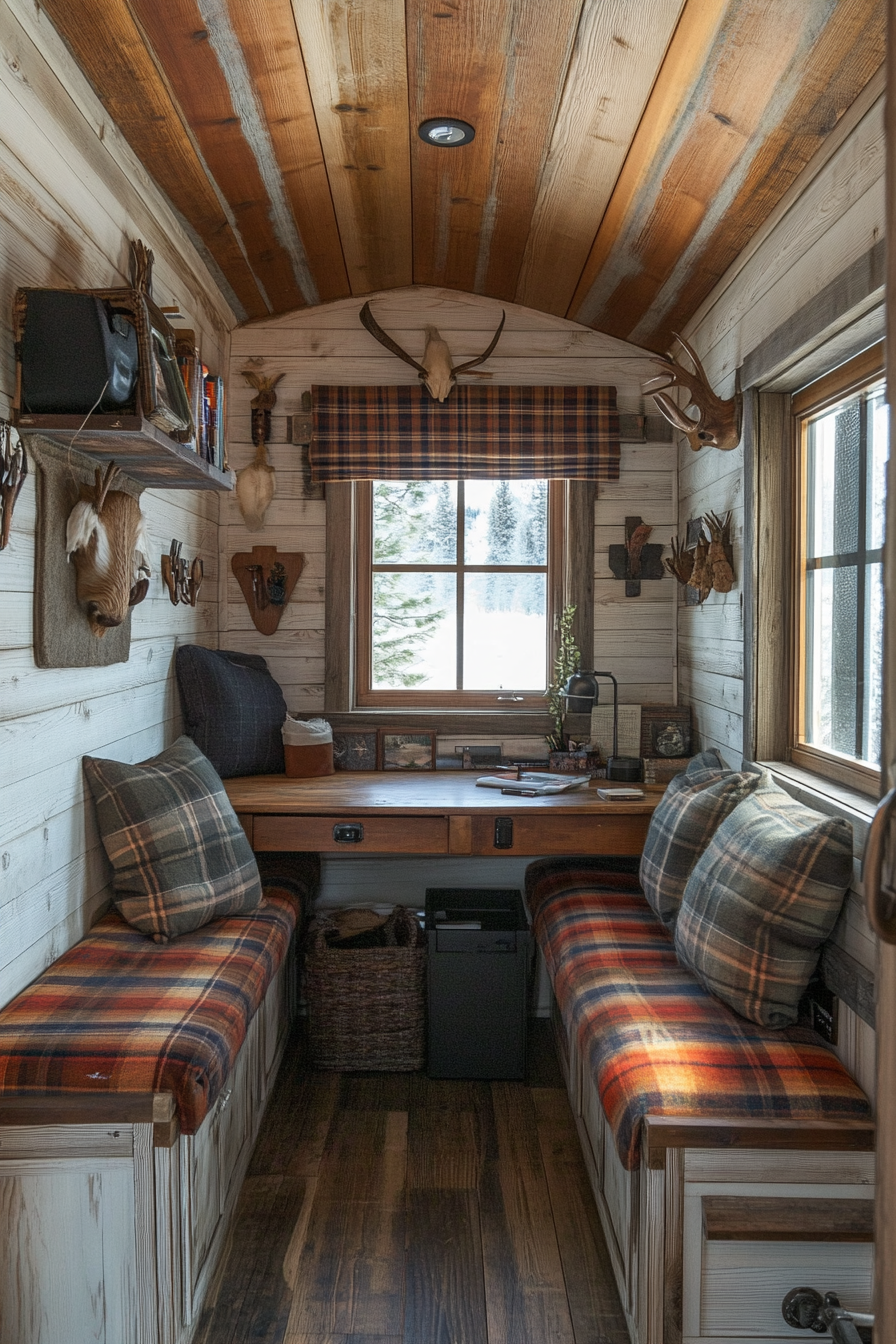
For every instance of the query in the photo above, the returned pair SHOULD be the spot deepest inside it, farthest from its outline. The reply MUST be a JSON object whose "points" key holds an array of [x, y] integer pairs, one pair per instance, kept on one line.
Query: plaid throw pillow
{"points": [[233, 709], [761, 901], [706, 760], [180, 856], [684, 822]]}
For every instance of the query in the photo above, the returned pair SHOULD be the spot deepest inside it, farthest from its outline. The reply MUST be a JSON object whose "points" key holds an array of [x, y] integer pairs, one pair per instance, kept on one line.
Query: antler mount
{"points": [[435, 368], [718, 421]]}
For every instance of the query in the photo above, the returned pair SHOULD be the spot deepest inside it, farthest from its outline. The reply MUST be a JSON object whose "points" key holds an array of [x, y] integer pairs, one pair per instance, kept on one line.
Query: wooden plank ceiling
{"points": [[625, 150]]}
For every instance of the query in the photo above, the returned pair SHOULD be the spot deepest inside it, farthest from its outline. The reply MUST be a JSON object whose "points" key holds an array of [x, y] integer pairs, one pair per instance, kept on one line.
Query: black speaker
{"points": [[78, 355]]}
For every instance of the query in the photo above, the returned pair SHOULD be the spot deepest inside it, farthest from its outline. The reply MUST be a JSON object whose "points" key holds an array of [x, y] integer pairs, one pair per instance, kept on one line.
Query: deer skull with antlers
{"points": [[106, 537], [718, 422], [435, 368]]}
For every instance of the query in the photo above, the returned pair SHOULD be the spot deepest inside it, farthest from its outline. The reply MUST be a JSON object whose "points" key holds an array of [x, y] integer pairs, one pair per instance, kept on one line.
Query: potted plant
{"points": [[566, 757]]}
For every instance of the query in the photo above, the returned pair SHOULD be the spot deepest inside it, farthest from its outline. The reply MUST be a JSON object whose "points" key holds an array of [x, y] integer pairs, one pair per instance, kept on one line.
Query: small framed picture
{"points": [[665, 731], [406, 751], [670, 738], [354, 751]]}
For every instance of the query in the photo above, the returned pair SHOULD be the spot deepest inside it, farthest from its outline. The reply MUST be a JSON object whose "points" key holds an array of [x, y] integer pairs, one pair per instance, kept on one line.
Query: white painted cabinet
{"points": [[106, 1239], [680, 1283]]}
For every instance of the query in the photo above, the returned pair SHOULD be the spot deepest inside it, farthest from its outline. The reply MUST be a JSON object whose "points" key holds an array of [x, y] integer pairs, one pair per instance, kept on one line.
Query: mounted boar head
{"points": [[106, 537], [718, 422], [435, 369]]}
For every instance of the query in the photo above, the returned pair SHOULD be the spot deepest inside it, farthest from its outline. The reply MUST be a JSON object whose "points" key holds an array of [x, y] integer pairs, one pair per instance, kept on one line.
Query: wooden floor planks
{"points": [[398, 1209]]}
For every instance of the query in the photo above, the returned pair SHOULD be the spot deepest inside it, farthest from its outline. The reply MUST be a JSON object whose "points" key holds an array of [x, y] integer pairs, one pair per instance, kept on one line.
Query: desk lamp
{"points": [[581, 694]]}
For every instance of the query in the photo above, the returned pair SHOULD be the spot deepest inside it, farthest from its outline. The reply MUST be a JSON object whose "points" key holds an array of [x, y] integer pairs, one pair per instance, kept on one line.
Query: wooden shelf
{"points": [[141, 450]]}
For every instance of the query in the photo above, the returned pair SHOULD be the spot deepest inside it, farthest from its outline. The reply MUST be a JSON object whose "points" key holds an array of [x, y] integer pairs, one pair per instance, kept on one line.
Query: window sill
{"points": [[825, 795]]}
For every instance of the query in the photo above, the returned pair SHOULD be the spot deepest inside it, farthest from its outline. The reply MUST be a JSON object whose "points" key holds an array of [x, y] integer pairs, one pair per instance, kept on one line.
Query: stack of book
{"points": [[206, 396]]}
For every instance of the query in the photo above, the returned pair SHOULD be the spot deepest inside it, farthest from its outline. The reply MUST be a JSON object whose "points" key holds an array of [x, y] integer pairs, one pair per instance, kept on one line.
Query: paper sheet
{"points": [[629, 730]]}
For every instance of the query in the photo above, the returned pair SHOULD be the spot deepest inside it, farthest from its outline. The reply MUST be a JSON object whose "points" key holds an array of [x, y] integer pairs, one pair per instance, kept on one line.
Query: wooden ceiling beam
{"points": [[110, 50], [685, 59], [502, 67], [619, 49], [538, 61], [848, 53], [357, 73], [698, 183], [267, 33], [201, 60]]}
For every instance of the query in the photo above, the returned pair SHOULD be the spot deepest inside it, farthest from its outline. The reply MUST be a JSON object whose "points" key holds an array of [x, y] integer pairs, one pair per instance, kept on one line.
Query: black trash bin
{"points": [[478, 965]]}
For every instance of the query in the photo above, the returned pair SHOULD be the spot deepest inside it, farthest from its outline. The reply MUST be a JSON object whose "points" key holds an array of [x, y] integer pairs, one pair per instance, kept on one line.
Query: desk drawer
{"points": [[380, 835], [546, 832]]}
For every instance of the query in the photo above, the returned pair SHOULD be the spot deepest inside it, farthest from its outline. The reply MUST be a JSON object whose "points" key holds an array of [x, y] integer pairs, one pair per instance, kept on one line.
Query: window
{"points": [[457, 583], [842, 444]]}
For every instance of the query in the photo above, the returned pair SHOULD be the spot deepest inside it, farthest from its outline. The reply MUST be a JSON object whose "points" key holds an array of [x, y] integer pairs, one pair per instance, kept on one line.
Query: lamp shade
{"points": [[581, 693]]}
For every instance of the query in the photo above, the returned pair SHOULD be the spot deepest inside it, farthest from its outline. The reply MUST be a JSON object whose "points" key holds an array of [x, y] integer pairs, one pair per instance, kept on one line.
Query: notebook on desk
{"points": [[534, 783]]}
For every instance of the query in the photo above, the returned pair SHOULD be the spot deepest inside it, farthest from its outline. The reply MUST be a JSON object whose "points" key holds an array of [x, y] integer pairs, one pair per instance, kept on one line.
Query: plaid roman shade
{"points": [[484, 433]]}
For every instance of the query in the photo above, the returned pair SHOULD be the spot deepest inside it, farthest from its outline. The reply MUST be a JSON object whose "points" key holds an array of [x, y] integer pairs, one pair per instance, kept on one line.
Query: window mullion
{"points": [[459, 585], [861, 570]]}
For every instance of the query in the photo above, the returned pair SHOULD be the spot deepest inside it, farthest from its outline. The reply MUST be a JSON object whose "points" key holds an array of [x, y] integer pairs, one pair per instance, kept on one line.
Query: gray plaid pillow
{"points": [[706, 760], [233, 709], [762, 900], [684, 822], [180, 856]]}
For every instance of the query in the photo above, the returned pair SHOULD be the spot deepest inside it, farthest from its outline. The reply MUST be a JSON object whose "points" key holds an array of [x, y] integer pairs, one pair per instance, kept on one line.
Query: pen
{"points": [[521, 793]]}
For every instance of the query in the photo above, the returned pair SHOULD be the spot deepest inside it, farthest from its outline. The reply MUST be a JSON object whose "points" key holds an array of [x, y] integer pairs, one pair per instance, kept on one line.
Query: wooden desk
{"points": [[431, 813]]}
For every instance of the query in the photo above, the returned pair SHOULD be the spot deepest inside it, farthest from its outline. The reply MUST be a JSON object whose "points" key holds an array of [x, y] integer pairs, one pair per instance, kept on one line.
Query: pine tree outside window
{"points": [[457, 584]]}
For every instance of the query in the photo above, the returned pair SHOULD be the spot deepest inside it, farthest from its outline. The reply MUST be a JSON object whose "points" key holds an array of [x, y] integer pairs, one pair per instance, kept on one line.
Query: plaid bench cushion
{"points": [[656, 1042], [119, 1013]]}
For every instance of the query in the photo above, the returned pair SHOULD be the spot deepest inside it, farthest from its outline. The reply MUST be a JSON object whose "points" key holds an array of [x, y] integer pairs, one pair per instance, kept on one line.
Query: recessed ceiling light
{"points": [[446, 132]]}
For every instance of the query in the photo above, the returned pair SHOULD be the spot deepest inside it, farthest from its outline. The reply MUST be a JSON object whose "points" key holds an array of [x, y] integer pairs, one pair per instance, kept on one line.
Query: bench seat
{"points": [[655, 1042], [119, 1013]]}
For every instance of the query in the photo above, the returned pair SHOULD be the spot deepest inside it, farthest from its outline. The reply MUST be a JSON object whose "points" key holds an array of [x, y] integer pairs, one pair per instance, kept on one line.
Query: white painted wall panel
{"points": [[72, 195], [834, 214], [328, 345]]}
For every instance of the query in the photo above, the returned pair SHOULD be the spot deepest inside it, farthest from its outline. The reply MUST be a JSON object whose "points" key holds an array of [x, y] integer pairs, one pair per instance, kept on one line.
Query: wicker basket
{"points": [[366, 1005]]}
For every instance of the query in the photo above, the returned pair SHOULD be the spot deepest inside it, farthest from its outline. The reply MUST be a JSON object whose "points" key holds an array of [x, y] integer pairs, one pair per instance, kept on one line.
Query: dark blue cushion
{"points": [[233, 709]]}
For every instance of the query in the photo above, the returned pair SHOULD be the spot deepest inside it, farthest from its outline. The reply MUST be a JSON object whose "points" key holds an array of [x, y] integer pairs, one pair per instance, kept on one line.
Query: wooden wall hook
{"points": [[183, 584], [267, 578]]}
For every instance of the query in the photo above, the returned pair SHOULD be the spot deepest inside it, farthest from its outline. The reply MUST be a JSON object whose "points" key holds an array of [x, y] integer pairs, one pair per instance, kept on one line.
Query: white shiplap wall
{"points": [[71, 196], [832, 216], [633, 636]]}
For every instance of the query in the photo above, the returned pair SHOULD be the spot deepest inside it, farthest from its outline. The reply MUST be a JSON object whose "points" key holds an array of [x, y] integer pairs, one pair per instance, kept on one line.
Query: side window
{"points": [[456, 584], [842, 449]]}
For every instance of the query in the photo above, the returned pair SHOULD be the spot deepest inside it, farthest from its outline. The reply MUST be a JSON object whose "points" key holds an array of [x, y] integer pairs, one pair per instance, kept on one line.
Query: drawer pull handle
{"points": [[503, 832], [348, 833]]}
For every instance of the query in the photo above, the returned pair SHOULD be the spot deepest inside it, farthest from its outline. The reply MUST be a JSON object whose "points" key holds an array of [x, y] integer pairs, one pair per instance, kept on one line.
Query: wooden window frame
{"points": [[849, 379], [575, 586], [366, 696]]}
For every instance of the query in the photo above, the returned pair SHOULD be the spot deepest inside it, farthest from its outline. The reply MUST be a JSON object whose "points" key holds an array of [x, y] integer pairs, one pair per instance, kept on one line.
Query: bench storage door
{"points": [[738, 1264], [213, 1160]]}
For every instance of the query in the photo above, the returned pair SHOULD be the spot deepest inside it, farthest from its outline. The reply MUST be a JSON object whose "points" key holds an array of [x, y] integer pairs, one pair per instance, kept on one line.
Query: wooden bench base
{"points": [[116, 1221], [712, 1230]]}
